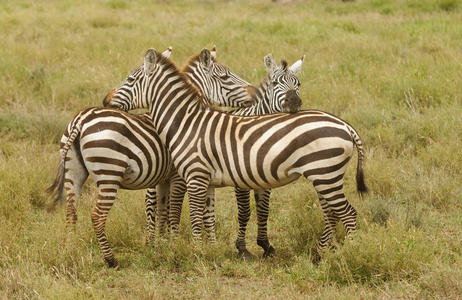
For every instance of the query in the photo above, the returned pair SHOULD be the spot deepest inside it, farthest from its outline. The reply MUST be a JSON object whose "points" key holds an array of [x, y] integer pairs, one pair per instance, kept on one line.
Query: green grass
{"points": [[390, 68]]}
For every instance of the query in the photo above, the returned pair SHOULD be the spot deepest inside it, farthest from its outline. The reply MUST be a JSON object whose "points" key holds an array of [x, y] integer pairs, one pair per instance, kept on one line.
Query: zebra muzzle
{"points": [[293, 103]]}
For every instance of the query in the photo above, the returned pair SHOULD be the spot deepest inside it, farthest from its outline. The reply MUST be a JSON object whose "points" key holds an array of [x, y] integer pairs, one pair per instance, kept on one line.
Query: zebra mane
{"points": [[192, 61], [257, 93], [167, 64]]}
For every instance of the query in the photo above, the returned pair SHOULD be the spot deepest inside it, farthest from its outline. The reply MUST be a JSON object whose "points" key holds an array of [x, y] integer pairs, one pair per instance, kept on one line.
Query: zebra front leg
{"points": [[197, 191], [151, 211], [243, 207], [98, 218], [208, 217], [177, 192], [163, 191], [262, 207]]}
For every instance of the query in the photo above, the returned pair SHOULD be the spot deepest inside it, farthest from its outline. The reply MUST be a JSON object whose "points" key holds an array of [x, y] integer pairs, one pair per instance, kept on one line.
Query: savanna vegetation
{"points": [[390, 68]]}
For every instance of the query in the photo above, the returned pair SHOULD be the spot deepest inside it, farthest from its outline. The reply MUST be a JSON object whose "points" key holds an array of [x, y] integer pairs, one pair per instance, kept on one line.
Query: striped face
{"points": [[226, 88], [220, 85], [283, 87], [127, 91], [128, 94]]}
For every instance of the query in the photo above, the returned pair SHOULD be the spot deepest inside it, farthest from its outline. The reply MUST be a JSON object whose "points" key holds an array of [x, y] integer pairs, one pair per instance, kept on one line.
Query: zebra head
{"points": [[129, 94], [283, 85], [219, 85]]}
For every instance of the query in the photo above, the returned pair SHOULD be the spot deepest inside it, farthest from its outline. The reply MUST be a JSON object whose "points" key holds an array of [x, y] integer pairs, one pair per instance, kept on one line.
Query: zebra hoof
{"points": [[245, 255], [113, 264], [316, 258], [270, 252]]}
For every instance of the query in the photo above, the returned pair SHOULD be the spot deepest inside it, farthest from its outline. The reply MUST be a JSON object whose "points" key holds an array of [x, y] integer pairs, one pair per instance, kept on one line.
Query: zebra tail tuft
{"points": [[56, 189], [360, 182]]}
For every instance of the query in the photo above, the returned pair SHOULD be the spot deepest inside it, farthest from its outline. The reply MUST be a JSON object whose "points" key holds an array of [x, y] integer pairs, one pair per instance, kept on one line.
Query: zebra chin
{"points": [[292, 103]]}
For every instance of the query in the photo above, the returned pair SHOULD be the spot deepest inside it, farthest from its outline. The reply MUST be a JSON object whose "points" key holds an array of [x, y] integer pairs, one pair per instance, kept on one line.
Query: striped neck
{"points": [[261, 102], [194, 73], [173, 101]]}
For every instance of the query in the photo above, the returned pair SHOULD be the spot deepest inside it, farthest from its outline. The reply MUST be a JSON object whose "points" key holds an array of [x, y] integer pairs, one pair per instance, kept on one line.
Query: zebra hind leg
{"points": [[243, 206], [335, 207], [262, 205], [98, 217], [74, 178], [330, 220], [71, 214]]}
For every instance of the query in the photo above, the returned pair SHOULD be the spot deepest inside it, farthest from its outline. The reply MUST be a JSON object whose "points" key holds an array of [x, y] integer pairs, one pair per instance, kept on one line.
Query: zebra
{"points": [[266, 100], [264, 104], [210, 148], [122, 150]]}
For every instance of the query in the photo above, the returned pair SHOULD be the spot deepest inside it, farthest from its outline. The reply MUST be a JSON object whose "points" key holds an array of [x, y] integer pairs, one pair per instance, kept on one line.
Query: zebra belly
{"points": [[133, 179], [221, 180]]}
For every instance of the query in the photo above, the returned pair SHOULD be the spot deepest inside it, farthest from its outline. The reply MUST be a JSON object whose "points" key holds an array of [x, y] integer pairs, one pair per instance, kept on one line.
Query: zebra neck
{"points": [[261, 102], [195, 74], [172, 104]]}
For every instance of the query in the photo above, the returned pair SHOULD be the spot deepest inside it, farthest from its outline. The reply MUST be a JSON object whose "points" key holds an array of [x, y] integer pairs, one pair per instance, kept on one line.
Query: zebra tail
{"points": [[360, 177], [56, 189], [360, 180]]}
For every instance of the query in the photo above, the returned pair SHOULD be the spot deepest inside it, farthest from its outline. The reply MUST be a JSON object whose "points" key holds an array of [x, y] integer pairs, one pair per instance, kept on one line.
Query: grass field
{"points": [[390, 68]]}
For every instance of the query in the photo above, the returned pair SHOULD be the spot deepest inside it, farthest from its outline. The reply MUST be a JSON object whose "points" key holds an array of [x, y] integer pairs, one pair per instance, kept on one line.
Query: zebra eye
{"points": [[130, 79], [275, 83], [224, 76]]}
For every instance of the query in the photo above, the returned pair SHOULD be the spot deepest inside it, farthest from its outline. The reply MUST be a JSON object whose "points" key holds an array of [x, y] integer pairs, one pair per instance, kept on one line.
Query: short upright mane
{"points": [[167, 64], [192, 61]]}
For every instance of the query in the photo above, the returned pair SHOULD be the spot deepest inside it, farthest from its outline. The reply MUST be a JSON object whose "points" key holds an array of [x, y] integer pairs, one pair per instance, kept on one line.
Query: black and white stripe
{"points": [[121, 150], [211, 148], [267, 100]]}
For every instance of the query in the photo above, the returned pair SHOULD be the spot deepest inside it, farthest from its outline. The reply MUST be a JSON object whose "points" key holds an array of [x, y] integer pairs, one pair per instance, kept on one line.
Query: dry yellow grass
{"points": [[390, 68]]}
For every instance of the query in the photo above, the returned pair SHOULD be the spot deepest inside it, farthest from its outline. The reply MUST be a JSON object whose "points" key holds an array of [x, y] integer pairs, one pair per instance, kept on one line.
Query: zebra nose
{"points": [[293, 101], [107, 100]]}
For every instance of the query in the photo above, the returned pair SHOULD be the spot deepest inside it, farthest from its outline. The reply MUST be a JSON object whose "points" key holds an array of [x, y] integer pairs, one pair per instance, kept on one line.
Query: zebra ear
{"points": [[150, 61], [213, 52], [270, 63], [206, 58], [297, 66], [167, 52]]}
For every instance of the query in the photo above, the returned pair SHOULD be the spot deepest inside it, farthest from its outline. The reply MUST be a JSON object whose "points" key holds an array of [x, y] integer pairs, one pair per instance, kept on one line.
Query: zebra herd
{"points": [[185, 144]]}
